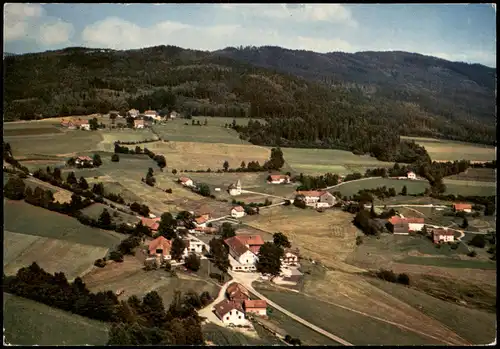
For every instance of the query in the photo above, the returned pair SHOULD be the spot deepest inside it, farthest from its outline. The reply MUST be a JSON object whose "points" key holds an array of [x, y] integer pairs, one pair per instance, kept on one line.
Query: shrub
{"points": [[192, 262], [403, 279], [116, 256], [387, 275], [217, 277], [478, 241], [472, 253], [168, 191], [100, 263], [359, 240]]}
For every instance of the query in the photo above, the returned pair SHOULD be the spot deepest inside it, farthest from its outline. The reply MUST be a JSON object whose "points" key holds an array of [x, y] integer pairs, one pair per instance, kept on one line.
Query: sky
{"points": [[456, 32]]}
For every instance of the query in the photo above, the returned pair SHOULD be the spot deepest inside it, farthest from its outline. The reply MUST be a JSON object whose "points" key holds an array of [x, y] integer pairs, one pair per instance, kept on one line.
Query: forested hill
{"points": [[452, 89], [77, 81]]}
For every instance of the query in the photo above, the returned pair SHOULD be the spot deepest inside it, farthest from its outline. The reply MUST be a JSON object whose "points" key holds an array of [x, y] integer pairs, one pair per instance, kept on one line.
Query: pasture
{"points": [[331, 240], [118, 217], [449, 263], [27, 322], [178, 131], [446, 150], [321, 161], [20, 217], [52, 255], [342, 322], [224, 336], [476, 326], [124, 135], [476, 175], [197, 155]]}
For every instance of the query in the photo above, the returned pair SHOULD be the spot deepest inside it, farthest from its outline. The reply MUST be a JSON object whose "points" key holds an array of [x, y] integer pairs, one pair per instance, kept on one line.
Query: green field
{"points": [[416, 187], [476, 326], [124, 135], [69, 142], [27, 322], [321, 161], [176, 130], [223, 336], [449, 263], [446, 150], [53, 255], [221, 121], [94, 211], [30, 131], [344, 323], [20, 217]]}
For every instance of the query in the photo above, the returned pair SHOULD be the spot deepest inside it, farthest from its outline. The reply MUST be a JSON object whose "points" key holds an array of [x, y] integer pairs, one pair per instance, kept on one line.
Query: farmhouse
{"points": [[84, 161], [291, 257], [193, 245], [235, 189], [316, 198], [414, 224], [237, 212], [133, 113], [160, 247], [174, 115], [442, 235], [151, 114], [462, 207], [253, 242], [278, 179], [236, 292], [151, 223], [230, 312], [243, 259], [411, 175], [201, 221], [187, 182], [138, 123], [258, 307]]}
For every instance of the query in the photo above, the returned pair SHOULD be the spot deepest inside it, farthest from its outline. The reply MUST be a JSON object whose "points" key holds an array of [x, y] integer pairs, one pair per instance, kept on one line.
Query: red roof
{"points": [[201, 220], [184, 179], [236, 245], [159, 243], [255, 249], [84, 158], [398, 220], [238, 209], [462, 206], [138, 122], [441, 231], [248, 239], [226, 306], [278, 177], [259, 303], [237, 291], [152, 223], [150, 112]]}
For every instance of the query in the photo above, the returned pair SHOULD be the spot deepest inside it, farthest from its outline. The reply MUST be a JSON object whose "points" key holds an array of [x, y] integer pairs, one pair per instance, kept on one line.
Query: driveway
{"points": [[208, 310]]}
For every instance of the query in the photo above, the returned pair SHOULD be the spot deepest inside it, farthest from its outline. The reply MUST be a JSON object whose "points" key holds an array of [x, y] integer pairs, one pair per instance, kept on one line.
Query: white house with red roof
{"points": [[201, 221], [152, 114], [81, 160], [411, 175], [187, 182], [442, 235], [230, 312], [151, 223], [160, 247], [257, 307], [278, 179], [244, 250], [317, 198], [237, 212], [462, 207], [138, 123]]}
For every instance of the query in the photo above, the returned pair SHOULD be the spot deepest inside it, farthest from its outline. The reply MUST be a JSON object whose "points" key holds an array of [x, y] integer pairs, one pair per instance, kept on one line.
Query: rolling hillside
{"points": [[364, 94]]}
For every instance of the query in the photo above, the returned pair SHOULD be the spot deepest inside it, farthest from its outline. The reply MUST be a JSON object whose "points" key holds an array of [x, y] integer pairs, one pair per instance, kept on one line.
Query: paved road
{"points": [[246, 280]]}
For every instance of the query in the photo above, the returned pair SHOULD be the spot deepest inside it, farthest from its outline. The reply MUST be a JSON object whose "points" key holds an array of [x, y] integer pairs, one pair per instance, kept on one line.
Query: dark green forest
{"points": [[301, 111]]}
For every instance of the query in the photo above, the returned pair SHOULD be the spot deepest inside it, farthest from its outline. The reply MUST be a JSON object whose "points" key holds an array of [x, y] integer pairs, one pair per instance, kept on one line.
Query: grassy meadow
{"points": [[27, 322], [23, 218], [53, 255], [223, 336], [446, 150]]}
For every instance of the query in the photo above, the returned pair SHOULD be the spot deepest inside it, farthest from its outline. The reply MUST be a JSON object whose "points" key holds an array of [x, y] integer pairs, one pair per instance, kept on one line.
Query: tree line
{"points": [[134, 321]]}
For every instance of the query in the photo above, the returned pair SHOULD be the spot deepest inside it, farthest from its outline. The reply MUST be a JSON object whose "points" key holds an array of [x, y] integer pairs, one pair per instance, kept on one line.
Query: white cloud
{"points": [[54, 33], [334, 13], [119, 34], [486, 58], [18, 19], [28, 21]]}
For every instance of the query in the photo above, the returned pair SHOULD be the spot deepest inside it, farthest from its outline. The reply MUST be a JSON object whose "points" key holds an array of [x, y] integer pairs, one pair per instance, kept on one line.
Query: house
{"points": [[83, 160], [187, 182], [317, 198], [160, 246], [200, 222], [414, 224], [243, 259], [174, 115], [411, 175], [206, 230], [258, 307], [237, 212], [235, 189], [440, 235], [133, 113], [236, 292], [138, 123], [207, 216], [151, 113], [230, 312], [462, 207], [194, 245], [291, 257], [278, 179], [151, 223], [252, 241]]}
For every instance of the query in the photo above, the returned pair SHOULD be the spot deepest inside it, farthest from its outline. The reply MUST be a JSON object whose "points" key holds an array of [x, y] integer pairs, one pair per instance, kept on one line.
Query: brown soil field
{"points": [[62, 196], [476, 174]]}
